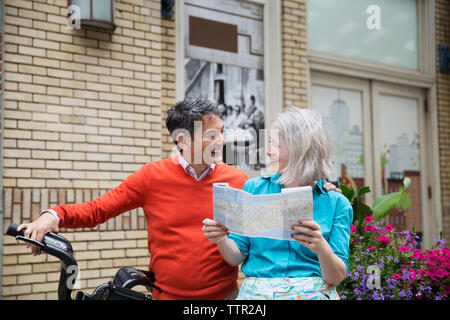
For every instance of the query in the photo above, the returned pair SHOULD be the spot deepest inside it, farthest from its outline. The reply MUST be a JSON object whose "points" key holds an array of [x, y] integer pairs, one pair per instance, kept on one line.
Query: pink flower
{"points": [[396, 276], [367, 228], [371, 248], [431, 263], [416, 254], [446, 289], [368, 219], [441, 273], [353, 229], [355, 241], [388, 228], [383, 239], [403, 249]]}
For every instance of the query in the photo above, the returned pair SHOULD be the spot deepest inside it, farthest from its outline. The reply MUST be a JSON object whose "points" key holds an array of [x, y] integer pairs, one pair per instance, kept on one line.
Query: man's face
{"points": [[207, 145]]}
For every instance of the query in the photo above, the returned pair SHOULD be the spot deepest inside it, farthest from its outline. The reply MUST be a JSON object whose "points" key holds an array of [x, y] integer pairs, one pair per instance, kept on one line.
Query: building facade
{"points": [[83, 108]]}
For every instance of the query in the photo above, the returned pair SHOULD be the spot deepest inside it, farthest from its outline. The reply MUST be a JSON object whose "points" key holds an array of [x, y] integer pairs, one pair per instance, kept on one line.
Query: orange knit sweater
{"points": [[186, 265]]}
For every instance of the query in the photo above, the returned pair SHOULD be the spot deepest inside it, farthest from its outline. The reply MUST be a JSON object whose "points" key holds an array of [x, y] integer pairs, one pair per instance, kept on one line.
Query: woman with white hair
{"points": [[312, 266]]}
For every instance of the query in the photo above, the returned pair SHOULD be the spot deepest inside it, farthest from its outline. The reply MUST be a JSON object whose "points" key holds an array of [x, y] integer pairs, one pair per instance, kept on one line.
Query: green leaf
{"points": [[405, 201], [383, 205], [363, 191], [347, 192], [359, 210], [406, 183]]}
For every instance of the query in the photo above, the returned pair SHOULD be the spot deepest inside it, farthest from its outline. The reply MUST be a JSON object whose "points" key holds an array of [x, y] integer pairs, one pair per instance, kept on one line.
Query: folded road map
{"points": [[262, 215]]}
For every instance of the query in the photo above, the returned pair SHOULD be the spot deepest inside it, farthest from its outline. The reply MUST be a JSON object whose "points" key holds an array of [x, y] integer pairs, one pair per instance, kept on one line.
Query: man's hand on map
{"points": [[328, 186], [311, 236], [214, 231]]}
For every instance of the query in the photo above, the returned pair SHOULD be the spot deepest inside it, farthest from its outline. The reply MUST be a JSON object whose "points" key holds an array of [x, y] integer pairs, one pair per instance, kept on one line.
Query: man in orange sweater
{"points": [[176, 195]]}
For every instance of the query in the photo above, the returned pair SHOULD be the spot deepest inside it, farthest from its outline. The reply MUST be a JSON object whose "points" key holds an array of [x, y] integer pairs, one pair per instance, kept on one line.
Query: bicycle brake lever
{"points": [[35, 242]]}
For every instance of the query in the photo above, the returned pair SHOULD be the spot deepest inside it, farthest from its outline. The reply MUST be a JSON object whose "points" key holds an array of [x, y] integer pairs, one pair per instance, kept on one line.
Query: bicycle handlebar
{"points": [[58, 247], [12, 230]]}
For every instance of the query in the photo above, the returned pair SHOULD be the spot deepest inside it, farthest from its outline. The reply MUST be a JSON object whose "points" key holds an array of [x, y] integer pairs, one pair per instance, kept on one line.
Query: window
{"points": [[382, 31]]}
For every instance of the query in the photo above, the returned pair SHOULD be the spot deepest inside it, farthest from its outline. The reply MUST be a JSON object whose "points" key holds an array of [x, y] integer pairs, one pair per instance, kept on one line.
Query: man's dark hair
{"points": [[184, 113]]}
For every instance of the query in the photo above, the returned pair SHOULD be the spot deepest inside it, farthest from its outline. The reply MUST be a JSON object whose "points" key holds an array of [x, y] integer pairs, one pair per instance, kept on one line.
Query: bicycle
{"points": [[120, 288]]}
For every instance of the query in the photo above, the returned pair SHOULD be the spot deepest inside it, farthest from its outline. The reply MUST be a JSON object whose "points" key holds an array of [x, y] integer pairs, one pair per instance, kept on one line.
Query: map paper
{"points": [[262, 215]]}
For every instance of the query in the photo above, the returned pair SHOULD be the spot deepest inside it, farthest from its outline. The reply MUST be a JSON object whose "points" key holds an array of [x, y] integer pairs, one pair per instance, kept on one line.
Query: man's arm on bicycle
{"points": [[130, 194]]}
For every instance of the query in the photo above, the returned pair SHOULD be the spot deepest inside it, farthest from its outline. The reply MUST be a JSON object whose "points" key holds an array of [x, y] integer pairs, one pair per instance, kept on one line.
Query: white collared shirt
{"points": [[190, 171]]}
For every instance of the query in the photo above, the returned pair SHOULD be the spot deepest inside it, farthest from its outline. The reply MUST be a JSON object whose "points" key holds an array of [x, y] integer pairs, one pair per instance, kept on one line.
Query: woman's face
{"points": [[277, 151]]}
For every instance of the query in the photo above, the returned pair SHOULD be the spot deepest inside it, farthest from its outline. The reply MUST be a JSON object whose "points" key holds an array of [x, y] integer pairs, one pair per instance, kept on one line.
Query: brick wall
{"points": [[168, 77], [442, 18], [82, 112], [295, 79], [82, 107]]}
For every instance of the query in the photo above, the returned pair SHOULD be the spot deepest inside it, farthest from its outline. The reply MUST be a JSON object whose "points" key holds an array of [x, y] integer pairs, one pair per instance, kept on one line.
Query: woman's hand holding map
{"points": [[310, 235]]}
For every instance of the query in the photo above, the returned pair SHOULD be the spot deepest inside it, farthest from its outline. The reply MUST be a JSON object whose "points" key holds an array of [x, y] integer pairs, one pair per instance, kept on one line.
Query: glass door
{"points": [[399, 141], [344, 104], [379, 138]]}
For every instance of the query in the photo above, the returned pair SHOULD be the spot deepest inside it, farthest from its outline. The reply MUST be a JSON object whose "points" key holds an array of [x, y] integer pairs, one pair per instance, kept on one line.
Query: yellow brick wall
{"points": [[295, 79], [442, 14], [82, 107], [82, 112], [168, 77]]}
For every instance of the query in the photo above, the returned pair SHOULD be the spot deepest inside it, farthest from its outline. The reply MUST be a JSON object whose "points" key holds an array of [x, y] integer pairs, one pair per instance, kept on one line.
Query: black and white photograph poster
{"points": [[224, 61]]}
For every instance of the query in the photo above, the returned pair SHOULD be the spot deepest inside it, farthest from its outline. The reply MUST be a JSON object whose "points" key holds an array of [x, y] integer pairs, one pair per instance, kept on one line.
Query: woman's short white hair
{"points": [[308, 143]]}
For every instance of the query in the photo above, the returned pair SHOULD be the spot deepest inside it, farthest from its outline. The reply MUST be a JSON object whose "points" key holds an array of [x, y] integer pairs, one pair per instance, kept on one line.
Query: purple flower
{"points": [[441, 243], [390, 283], [407, 235], [380, 265], [375, 295], [405, 274]]}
